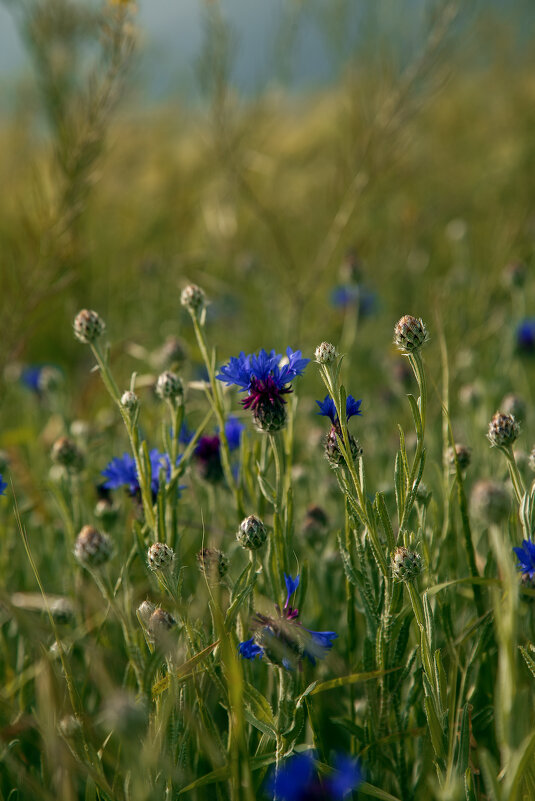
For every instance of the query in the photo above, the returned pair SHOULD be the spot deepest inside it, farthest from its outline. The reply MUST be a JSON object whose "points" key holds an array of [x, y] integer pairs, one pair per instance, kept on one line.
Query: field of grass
{"points": [[133, 673]]}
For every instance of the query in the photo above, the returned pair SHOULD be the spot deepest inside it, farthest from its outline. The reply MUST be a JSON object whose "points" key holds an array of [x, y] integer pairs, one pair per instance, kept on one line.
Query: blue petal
{"points": [[30, 377], [3, 485], [296, 365], [327, 408], [291, 586], [233, 431], [249, 649], [320, 643], [264, 364], [185, 435], [526, 556], [352, 406], [121, 472], [525, 335], [237, 371], [346, 777], [294, 776]]}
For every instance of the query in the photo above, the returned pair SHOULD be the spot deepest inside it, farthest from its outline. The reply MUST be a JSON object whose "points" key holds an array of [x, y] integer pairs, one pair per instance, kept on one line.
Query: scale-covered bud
{"points": [[160, 556], [332, 450], [160, 624], [464, 456], [213, 563], [92, 548], [169, 387], [193, 298], [252, 533], [325, 353], [130, 401], [88, 326], [66, 453], [144, 612], [410, 334], [503, 430], [270, 417], [406, 565]]}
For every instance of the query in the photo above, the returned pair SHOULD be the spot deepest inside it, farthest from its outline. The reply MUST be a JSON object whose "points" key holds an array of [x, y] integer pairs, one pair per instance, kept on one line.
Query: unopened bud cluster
{"points": [[252, 533], [213, 563], [169, 387], [92, 548], [332, 450], [88, 326], [160, 556], [410, 334], [66, 453], [464, 456], [503, 430], [325, 353], [193, 298], [406, 565]]}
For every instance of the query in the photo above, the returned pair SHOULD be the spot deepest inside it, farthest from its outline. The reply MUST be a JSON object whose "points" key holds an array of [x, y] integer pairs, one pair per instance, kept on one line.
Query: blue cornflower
{"points": [[297, 779], [122, 472], [207, 452], [233, 432], [354, 295], [40, 378], [266, 381], [526, 559], [282, 639], [525, 335], [3, 485], [328, 409]]}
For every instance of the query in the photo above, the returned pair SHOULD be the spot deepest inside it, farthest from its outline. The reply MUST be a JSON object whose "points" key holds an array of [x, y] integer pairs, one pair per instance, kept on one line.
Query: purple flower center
{"points": [[264, 392]]}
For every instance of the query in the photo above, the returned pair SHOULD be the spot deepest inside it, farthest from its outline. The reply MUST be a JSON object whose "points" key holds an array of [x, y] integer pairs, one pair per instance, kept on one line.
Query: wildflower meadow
{"points": [[267, 440]]}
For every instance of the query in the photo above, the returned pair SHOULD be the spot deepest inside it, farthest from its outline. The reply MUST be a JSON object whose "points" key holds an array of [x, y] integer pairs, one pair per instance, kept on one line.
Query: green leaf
{"points": [[416, 416], [371, 791], [382, 511], [487, 582], [353, 678], [530, 662]]}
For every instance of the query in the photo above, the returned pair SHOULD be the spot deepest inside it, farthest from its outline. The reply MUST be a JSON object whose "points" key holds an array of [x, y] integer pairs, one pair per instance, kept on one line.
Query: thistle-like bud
{"points": [[88, 326], [130, 402], [514, 405], [160, 556], [66, 453], [406, 565], [270, 417], [410, 334], [503, 430], [160, 624], [193, 298], [213, 563], [332, 450], [144, 612], [170, 387], [325, 353], [464, 456], [490, 501], [252, 533], [92, 547]]}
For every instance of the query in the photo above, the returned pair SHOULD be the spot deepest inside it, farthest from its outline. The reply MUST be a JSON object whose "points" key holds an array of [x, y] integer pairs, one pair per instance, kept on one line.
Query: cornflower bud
{"points": [[144, 612], [490, 501], [170, 387], [503, 430], [252, 533], [213, 563], [325, 353], [464, 456], [332, 448], [92, 548], [406, 565], [193, 298], [66, 453], [410, 334], [130, 402], [88, 326], [160, 624], [160, 556]]}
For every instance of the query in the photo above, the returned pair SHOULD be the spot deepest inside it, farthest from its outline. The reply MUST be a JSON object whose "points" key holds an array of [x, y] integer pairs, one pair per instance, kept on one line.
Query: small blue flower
{"points": [[291, 586], [185, 435], [122, 472], [526, 557], [30, 377], [291, 781], [320, 642], [249, 649], [3, 485], [298, 780], [346, 777], [328, 409], [357, 296], [233, 432], [525, 335]]}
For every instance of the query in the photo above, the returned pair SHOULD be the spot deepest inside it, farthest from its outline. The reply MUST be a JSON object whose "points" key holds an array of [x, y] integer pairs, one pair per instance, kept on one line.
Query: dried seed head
{"points": [[88, 326], [325, 353], [160, 556], [406, 565], [92, 547], [193, 298], [213, 563], [464, 456], [410, 334], [66, 453], [170, 387], [514, 405], [490, 501], [503, 430], [252, 533], [332, 450]]}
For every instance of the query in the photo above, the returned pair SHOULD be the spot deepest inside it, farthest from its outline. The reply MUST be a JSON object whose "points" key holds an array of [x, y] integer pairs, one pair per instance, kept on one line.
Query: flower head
{"points": [[282, 639], [266, 382], [122, 472], [526, 559], [356, 296], [328, 409], [298, 780], [208, 450], [410, 334], [331, 444], [3, 485], [525, 336]]}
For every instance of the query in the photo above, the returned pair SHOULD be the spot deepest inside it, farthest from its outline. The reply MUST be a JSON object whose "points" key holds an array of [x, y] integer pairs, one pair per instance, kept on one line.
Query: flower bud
{"points": [[252, 533], [410, 334], [503, 430], [490, 501], [88, 326], [464, 456], [193, 298], [106, 511], [332, 450], [406, 565], [159, 625], [92, 548], [160, 556], [213, 563], [66, 453], [144, 612], [325, 353], [269, 417], [130, 402], [169, 387]]}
